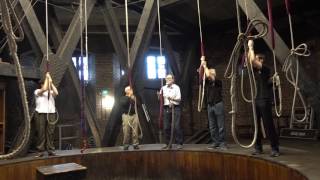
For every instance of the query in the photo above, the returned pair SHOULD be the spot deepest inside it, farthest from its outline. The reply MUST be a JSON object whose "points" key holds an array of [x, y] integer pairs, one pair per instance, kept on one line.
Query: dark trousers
{"points": [[264, 111], [45, 131], [167, 119], [216, 123]]}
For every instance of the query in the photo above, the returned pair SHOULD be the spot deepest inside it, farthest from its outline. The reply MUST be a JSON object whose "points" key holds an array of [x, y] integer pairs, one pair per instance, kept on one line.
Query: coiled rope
{"points": [[231, 73], [6, 7], [288, 67]]}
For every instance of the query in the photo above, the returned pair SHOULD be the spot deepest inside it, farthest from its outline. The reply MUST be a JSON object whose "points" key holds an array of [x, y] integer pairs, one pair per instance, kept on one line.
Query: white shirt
{"points": [[172, 92], [43, 104]]}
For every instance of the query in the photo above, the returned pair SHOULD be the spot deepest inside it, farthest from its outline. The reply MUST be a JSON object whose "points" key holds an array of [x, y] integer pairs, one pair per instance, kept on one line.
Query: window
{"points": [[77, 63], [156, 67]]}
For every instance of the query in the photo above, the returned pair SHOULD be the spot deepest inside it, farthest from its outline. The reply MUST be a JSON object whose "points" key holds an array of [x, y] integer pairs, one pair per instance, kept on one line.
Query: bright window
{"points": [[77, 63], [156, 67]]}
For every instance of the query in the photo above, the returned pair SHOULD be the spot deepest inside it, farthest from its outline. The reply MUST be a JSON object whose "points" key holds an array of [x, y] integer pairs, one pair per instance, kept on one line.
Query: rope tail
{"points": [[12, 38], [292, 75], [276, 83]]}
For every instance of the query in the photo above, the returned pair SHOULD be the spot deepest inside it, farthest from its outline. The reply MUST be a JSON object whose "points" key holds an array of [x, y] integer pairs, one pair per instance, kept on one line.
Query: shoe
{"points": [[40, 154], [223, 147], [256, 152], [51, 153], [179, 146], [274, 153], [166, 147], [126, 147], [213, 146], [136, 147]]}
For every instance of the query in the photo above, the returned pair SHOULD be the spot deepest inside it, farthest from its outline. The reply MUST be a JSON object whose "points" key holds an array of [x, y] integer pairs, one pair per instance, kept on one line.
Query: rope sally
{"points": [[202, 76], [6, 7], [288, 67]]}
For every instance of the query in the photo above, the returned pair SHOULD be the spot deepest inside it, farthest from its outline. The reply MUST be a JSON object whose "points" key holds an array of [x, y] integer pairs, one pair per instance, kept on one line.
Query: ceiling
{"points": [[212, 11]]}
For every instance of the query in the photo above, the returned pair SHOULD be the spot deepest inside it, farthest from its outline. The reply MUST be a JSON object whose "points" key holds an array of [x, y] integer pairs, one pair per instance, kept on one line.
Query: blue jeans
{"points": [[216, 123], [167, 119]]}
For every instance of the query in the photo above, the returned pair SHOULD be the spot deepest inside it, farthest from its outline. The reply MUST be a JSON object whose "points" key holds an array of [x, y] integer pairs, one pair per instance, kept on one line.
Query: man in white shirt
{"points": [[45, 115], [172, 97]]}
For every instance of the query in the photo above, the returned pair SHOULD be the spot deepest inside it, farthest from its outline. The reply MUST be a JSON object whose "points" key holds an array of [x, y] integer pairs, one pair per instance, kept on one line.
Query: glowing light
{"points": [[107, 102]]}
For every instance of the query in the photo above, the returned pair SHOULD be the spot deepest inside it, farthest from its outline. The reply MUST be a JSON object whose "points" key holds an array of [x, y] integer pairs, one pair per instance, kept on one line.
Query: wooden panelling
{"points": [[160, 165]]}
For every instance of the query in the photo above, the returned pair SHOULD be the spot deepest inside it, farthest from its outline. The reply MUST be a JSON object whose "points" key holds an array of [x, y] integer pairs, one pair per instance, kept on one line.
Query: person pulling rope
{"points": [[130, 121], [172, 113]]}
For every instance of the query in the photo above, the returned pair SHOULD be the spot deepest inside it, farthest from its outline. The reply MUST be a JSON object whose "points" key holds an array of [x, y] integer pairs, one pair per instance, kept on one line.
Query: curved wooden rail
{"points": [[153, 164]]}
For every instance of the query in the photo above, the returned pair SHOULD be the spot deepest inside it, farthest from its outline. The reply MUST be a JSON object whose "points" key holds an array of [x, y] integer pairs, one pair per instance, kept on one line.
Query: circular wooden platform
{"points": [[111, 163]]}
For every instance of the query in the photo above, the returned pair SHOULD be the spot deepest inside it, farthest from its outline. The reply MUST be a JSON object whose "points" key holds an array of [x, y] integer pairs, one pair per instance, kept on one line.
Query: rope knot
{"points": [[241, 37], [301, 50]]}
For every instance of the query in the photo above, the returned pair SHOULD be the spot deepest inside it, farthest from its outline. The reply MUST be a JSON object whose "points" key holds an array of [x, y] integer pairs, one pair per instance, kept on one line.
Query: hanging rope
{"points": [[202, 76], [245, 55], [6, 7], [128, 43], [238, 17], [160, 120], [231, 73], [276, 84], [83, 4], [48, 66], [288, 67]]}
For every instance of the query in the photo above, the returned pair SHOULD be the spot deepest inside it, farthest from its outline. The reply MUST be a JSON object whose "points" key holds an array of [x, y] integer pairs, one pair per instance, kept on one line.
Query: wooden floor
{"points": [[193, 160]]}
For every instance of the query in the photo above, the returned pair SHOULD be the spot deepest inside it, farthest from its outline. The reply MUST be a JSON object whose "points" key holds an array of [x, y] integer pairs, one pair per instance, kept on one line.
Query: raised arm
{"points": [[204, 65], [252, 56], [52, 86], [44, 87]]}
